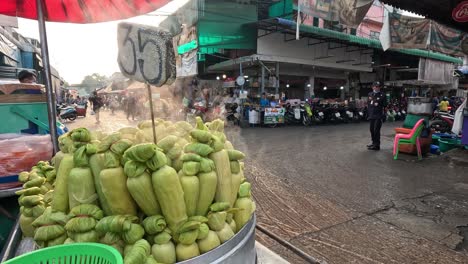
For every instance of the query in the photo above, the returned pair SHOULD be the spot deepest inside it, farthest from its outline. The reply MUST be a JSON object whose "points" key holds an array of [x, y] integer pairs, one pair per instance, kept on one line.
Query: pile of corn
{"points": [[154, 203]]}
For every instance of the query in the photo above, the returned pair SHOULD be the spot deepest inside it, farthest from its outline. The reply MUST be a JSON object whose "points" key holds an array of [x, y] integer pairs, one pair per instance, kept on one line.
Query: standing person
{"points": [[443, 106], [264, 102], [131, 106], [97, 102], [376, 105]]}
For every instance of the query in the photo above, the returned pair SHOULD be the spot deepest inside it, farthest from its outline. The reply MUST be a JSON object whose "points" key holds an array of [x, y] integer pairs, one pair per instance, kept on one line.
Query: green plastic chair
{"points": [[78, 253], [411, 138]]}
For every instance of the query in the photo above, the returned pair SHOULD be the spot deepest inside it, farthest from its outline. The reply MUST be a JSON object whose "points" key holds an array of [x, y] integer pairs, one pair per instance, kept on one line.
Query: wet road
{"points": [[323, 191]]}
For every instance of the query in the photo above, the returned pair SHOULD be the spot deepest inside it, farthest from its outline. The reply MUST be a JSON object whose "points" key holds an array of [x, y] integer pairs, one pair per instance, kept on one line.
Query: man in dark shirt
{"points": [[131, 106], [375, 106], [97, 102]]}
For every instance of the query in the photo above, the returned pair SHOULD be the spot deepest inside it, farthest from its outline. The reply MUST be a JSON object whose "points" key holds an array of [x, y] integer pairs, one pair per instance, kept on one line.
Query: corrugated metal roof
{"points": [[438, 10], [372, 43]]}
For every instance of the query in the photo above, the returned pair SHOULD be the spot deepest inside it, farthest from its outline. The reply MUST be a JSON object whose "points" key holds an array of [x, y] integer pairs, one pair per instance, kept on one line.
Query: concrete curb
{"points": [[266, 256]]}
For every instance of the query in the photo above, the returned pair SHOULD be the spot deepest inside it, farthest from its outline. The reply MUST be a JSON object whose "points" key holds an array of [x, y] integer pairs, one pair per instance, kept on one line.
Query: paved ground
{"points": [[320, 189]]}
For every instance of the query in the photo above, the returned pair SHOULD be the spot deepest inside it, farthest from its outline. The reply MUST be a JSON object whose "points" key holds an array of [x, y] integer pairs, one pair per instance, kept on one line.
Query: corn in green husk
{"points": [[164, 249], [203, 231], [151, 260], [135, 233], [49, 226], [120, 146], [198, 148], [139, 253], [141, 152], [116, 223], [191, 168], [216, 220], [235, 166], [134, 168], [206, 165], [167, 142], [157, 161], [90, 236], [184, 252], [111, 160], [83, 218], [191, 157], [154, 224], [210, 242]]}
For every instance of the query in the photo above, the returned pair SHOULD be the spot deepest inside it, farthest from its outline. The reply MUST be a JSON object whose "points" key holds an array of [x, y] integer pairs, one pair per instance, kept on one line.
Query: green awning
{"points": [[371, 43]]}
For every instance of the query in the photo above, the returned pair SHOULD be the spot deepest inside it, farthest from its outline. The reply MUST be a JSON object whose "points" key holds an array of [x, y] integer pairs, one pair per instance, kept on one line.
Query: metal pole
{"points": [[242, 92], [52, 115], [12, 241], [263, 80], [277, 79], [150, 96]]}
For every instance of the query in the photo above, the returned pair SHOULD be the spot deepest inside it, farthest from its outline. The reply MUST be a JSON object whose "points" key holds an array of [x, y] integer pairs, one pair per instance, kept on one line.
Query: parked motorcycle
{"points": [[66, 112], [294, 115], [442, 122], [334, 116], [307, 116], [231, 113]]}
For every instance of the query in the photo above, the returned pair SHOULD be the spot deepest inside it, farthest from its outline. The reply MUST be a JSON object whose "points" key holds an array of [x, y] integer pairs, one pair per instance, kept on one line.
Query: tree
{"points": [[94, 81]]}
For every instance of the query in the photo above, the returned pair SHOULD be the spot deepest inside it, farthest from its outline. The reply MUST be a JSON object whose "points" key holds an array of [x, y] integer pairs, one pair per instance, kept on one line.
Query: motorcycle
{"points": [[231, 113], [293, 115], [66, 112], [334, 116], [307, 116], [442, 122]]}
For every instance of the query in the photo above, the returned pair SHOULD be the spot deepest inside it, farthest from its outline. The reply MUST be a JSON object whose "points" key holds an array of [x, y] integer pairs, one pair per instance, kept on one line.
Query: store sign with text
{"points": [[460, 13], [274, 115], [146, 54]]}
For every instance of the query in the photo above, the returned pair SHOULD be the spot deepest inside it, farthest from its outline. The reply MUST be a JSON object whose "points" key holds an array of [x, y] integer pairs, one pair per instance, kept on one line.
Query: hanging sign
{"points": [[146, 54], [460, 13]]}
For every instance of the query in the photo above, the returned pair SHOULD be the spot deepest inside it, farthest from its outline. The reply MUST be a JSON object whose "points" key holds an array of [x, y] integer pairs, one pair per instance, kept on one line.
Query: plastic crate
{"points": [[79, 253]]}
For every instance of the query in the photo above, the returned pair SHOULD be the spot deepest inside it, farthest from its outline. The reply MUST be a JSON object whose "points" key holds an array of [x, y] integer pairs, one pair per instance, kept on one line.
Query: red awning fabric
{"points": [[81, 11]]}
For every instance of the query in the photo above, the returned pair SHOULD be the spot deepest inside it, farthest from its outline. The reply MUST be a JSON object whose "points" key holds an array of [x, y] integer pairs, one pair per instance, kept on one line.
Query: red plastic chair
{"points": [[411, 138]]}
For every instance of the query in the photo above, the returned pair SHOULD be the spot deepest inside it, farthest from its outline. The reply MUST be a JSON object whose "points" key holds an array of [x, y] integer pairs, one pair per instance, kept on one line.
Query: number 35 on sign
{"points": [[146, 54]]}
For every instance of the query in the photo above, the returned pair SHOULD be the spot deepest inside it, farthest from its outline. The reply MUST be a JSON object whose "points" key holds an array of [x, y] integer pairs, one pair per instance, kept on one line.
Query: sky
{"points": [[77, 50]]}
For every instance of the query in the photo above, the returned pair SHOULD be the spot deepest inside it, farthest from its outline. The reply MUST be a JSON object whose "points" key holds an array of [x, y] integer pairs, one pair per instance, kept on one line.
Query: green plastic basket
{"points": [[78, 253], [447, 144]]}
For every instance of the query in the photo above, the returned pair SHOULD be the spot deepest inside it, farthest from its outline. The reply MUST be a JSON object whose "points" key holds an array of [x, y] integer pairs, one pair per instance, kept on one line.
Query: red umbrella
{"points": [[72, 11], [80, 11]]}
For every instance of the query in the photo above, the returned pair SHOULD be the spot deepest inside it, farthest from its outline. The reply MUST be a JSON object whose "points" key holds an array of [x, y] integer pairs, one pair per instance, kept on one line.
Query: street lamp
{"points": [[224, 76], [341, 88], [217, 78], [309, 85], [325, 88], [287, 85]]}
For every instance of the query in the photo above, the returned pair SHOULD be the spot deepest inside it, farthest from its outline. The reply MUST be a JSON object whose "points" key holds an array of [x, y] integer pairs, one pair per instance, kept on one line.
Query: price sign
{"points": [[146, 54]]}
